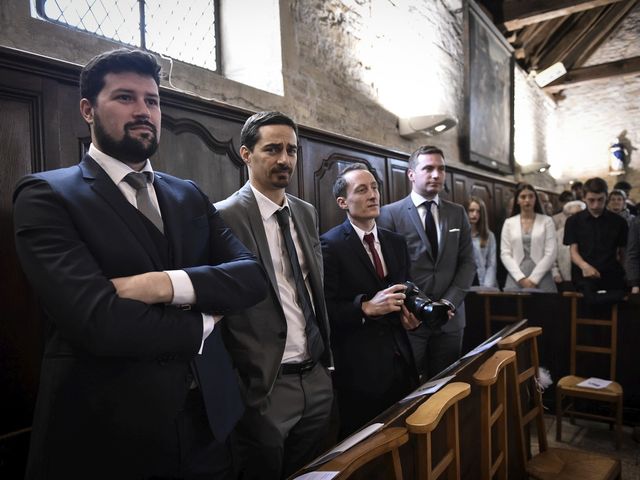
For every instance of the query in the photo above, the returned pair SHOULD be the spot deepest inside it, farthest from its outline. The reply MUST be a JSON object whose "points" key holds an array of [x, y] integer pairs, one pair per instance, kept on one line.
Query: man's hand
{"points": [[557, 278], [526, 283], [149, 288], [408, 319], [635, 289], [385, 301], [589, 272]]}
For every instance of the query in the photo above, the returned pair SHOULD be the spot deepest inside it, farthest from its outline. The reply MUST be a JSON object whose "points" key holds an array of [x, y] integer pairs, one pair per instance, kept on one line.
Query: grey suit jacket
{"points": [[255, 338], [450, 275]]}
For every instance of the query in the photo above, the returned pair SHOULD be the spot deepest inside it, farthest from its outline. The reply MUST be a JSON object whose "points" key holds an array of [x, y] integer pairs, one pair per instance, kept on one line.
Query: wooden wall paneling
{"points": [[188, 149], [321, 165], [398, 184], [20, 329], [459, 187]]}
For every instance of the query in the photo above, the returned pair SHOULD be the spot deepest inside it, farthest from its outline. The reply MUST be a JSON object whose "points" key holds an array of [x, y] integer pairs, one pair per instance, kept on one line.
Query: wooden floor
{"points": [[596, 437]]}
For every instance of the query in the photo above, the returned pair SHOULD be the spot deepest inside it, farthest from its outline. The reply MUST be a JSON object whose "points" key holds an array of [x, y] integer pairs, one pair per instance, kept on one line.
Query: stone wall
{"points": [[591, 116], [354, 66]]}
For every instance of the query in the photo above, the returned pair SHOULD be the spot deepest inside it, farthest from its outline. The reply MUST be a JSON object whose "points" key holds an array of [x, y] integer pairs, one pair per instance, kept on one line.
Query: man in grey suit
{"points": [[439, 239], [280, 347]]}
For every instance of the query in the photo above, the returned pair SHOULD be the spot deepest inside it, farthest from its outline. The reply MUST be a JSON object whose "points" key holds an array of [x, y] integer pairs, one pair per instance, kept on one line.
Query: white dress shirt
{"points": [[418, 200], [295, 349], [376, 244], [183, 291]]}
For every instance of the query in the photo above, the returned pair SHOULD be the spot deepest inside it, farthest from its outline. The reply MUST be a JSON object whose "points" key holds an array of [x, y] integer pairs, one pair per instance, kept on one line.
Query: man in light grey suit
{"points": [[280, 347], [439, 239]]}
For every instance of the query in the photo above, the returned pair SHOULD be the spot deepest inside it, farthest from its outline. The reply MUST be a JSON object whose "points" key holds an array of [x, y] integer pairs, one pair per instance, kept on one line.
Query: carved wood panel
{"points": [[20, 329], [321, 164]]}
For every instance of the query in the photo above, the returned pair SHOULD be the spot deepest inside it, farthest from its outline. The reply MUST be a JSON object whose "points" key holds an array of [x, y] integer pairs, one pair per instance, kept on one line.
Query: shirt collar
{"points": [[418, 199], [361, 233], [267, 206], [116, 169]]}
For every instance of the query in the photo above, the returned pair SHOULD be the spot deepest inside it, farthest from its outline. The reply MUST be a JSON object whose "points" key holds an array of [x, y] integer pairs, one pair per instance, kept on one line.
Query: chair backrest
{"points": [[489, 316], [525, 344], [493, 414], [423, 422], [388, 440], [610, 323]]}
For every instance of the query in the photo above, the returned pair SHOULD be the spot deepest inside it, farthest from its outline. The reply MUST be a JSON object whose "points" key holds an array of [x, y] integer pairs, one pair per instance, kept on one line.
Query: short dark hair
{"points": [[619, 193], [423, 150], [596, 185], [623, 185], [250, 133], [566, 196], [116, 61], [340, 185], [515, 210]]}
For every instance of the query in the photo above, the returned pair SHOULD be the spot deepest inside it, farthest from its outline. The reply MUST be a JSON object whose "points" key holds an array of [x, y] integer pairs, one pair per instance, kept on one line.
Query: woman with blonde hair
{"points": [[484, 243], [528, 245]]}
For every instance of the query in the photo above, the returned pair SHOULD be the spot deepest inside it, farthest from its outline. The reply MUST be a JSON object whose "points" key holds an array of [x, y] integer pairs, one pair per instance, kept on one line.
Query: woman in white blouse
{"points": [[528, 246], [484, 243]]}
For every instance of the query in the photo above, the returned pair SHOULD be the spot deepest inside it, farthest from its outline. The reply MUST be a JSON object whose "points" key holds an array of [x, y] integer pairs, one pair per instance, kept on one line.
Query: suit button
{"points": [[282, 335]]}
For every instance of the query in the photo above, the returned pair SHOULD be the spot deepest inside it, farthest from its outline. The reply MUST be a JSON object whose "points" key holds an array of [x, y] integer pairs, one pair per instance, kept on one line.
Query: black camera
{"points": [[433, 314]]}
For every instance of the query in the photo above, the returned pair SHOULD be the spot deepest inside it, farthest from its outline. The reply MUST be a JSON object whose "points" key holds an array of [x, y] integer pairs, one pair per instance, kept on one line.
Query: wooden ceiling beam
{"points": [[596, 35], [575, 29], [580, 76], [519, 13]]}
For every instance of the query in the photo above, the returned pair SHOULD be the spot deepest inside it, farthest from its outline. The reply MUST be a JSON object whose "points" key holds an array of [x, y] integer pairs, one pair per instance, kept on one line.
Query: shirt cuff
{"points": [[448, 304], [208, 323], [183, 291]]}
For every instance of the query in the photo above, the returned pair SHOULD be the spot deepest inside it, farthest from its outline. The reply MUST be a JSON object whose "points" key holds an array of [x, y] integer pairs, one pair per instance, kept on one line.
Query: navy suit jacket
{"points": [[115, 370], [363, 351]]}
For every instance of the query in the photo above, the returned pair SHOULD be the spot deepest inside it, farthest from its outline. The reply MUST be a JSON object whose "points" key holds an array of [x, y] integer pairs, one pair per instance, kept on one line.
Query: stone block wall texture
{"points": [[593, 115], [353, 66]]}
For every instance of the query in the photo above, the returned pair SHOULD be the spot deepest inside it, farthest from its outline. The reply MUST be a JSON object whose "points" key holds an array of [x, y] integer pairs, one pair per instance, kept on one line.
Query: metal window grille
{"points": [[185, 30]]}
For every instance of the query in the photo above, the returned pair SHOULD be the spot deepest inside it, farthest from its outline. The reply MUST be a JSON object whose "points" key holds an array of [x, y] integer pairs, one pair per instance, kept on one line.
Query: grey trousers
{"points": [[434, 350], [290, 433]]}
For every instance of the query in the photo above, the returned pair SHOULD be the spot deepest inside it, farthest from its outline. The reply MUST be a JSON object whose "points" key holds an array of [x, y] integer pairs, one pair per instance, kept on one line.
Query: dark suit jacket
{"points": [[256, 336], [450, 275], [363, 352], [116, 371]]}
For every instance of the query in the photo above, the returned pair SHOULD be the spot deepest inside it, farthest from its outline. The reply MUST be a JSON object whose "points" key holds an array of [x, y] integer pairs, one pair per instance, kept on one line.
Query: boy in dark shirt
{"points": [[597, 238]]}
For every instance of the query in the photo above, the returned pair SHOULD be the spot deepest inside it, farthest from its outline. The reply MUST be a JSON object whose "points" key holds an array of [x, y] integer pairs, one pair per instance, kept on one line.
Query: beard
{"points": [[128, 150], [279, 179]]}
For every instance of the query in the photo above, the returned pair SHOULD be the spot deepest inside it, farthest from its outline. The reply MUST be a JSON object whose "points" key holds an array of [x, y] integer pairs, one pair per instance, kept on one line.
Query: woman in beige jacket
{"points": [[528, 246]]}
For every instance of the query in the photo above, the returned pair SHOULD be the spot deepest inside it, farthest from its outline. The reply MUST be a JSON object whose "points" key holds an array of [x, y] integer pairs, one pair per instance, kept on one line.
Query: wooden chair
{"points": [[567, 387], [386, 441], [493, 421], [489, 317], [423, 422], [549, 463]]}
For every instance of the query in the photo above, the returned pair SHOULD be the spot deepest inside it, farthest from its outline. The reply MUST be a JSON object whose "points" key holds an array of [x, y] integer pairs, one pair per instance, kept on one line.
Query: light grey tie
{"points": [[139, 181]]}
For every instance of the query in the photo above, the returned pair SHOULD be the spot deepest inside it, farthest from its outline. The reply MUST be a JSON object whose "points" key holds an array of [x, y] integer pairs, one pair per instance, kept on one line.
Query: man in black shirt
{"points": [[597, 238]]}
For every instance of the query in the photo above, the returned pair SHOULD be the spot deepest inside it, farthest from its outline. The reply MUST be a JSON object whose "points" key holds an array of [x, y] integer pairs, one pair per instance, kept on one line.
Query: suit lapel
{"points": [[105, 188], [170, 216], [355, 244], [414, 216], [303, 226], [388, 253], [257, 227], [443, 217]]}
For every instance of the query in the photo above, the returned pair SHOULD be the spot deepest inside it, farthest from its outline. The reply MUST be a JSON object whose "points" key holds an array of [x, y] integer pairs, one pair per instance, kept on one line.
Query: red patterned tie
{"points": [[370, 240]]}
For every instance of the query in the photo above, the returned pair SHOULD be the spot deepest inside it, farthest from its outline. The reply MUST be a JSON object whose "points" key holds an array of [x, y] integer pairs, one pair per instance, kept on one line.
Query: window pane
{"points": [[184, 30], [114, 19], [181, 29]]}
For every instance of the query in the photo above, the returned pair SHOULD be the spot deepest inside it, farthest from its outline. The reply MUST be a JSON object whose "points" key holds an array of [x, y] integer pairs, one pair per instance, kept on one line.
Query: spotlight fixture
{"points": [[536, 167], [425, 125]]}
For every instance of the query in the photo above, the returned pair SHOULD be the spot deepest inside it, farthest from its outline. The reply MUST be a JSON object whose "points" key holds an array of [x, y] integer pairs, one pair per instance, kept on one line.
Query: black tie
{"points": [[430, 229], [314, 339], [138, 180]]}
